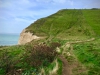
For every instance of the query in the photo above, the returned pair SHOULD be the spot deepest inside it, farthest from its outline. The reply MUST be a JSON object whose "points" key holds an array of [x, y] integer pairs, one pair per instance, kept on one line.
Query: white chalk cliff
{"points": [[26, 37]]}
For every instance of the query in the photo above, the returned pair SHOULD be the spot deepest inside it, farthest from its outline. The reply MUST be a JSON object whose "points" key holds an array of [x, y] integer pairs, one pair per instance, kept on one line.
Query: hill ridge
{"points": [[73, 23]]}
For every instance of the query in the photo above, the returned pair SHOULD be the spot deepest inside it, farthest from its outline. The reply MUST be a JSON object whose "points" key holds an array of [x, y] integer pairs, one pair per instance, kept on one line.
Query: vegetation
{"points": [[66, 35], [68, 22], [23, 59], [92, 18], [89, 55]]}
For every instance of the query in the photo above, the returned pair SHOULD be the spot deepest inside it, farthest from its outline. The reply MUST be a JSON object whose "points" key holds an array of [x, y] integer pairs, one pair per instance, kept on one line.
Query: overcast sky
{"points": [[15, 15]]}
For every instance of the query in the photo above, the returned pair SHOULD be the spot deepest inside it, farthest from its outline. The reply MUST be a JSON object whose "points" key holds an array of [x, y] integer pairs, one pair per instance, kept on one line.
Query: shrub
{"points": [[55, 44], [42, 55]]}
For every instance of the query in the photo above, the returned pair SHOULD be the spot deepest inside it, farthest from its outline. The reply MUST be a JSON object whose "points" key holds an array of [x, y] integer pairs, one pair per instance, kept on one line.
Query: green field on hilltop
{"points": [[69, 35]]}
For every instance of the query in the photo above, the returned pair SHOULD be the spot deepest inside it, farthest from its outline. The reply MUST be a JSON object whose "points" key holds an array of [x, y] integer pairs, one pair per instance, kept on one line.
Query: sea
{"points": [[8, 39]]}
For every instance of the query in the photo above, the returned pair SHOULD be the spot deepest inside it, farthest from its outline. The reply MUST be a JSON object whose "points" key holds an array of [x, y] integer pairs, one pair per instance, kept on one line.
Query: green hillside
{"points": [[68, 22], [71, 46]]}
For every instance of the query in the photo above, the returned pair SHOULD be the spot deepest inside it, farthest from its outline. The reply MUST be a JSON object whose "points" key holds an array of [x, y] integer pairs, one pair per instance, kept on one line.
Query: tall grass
{"points": [[26, 59], [89, 56]]}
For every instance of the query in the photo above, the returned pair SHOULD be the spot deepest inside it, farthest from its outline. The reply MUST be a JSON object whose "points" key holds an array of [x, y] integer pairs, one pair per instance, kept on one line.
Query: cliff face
{"points": [[26, 37]]}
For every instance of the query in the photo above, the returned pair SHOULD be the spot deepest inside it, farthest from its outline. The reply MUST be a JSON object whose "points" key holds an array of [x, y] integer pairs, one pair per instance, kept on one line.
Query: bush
{"points": [[42, 55], [19, 60]]}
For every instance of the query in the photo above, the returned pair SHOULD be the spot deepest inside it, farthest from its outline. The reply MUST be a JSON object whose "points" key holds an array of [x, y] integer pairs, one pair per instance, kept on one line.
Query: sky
{"points": [[15, 15]]}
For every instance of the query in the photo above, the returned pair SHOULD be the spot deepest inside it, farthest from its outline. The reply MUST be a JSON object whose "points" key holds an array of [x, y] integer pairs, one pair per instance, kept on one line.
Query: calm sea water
{"points": [[8, 39]]}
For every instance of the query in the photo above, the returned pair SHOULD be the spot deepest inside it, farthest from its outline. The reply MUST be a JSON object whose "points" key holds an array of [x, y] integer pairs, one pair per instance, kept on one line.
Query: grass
{"points": [[92, 18], [55, 68], [9, 56], [67, 25], [89, 55], [27, 59], [68, 22]]}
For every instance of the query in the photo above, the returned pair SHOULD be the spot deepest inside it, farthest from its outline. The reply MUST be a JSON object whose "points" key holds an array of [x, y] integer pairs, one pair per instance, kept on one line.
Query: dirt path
{"points": [[65, 70], [66, 67], [82, 41]]}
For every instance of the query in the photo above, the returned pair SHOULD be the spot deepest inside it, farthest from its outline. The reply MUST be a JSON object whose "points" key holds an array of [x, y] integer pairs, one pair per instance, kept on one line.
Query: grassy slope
{"points": [[76, 25], [67, 24], [10, 56], [89, 55], [93, 19]]}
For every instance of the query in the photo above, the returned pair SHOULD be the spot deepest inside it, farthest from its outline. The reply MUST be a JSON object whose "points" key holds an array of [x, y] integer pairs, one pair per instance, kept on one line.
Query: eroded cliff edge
{"points": [[26, 37]]}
